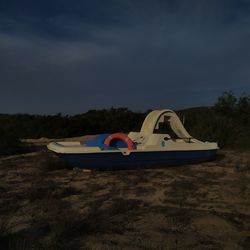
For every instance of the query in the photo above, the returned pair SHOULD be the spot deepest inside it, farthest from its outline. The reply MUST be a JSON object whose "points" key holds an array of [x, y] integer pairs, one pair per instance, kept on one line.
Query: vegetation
{"points": [[9, 143], [227, 122], [58, 126]]}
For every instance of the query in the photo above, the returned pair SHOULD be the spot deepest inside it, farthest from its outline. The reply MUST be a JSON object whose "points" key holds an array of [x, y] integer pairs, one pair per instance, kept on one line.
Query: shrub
{"points": [[9, 144], [227, 122]]}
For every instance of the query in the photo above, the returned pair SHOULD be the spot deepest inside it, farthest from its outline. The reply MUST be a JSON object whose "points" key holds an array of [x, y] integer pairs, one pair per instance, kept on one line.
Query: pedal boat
{"points": [[148, 148]]}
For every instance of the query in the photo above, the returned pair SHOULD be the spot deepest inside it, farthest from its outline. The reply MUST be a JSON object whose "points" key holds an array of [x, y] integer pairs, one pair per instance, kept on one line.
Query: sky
{"points": [[72, 56]]}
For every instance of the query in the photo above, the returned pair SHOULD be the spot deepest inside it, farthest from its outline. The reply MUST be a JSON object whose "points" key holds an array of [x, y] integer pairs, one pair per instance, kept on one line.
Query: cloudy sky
{"points": [[72, 56]]}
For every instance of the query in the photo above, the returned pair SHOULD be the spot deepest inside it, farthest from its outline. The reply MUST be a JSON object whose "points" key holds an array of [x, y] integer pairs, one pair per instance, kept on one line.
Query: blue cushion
{"points": [[98, 141]]}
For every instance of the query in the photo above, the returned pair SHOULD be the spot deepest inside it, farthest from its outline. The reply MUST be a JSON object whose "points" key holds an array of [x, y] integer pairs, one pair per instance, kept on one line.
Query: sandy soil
{"points": [[44, 205]]}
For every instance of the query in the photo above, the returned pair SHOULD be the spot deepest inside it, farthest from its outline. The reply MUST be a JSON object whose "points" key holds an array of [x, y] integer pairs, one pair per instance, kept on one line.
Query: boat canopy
{"points": [[156, 117]]}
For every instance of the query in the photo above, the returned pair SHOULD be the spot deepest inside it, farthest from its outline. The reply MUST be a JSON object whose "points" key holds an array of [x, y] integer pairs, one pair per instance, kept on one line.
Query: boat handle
{"points": [[125, 153]]}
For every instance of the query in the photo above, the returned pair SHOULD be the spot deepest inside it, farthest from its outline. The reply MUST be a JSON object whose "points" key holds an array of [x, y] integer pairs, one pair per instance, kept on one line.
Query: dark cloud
{"points": [[138, 54]]}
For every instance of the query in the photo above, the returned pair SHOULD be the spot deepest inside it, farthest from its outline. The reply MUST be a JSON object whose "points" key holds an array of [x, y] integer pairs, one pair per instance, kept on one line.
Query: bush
{"points": [[227, 122], [9, 144]]}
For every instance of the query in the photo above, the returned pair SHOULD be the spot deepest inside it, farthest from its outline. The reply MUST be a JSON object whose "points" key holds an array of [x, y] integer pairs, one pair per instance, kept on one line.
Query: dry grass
{"points": [[51, 163], [45, 205]]}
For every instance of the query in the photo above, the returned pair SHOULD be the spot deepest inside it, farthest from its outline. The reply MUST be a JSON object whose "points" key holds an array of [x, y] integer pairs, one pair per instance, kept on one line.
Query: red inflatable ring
{"points": [[122, 137]]}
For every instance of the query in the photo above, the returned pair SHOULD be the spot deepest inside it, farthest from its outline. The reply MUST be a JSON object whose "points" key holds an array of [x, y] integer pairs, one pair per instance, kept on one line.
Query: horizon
{"points": [[100, 109], [115, 108], [129, 109], [69, 58]]}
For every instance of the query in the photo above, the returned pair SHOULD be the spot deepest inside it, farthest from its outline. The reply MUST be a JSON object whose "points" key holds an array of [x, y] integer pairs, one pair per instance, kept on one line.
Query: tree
{"points": [[226, 103]]}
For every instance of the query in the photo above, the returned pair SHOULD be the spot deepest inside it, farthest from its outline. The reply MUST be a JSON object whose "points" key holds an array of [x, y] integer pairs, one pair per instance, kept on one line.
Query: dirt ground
{"points": [[44, 205]]}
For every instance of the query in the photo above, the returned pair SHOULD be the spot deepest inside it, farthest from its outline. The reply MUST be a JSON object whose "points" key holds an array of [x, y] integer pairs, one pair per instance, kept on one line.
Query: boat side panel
{"points": [[117, 160]]}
